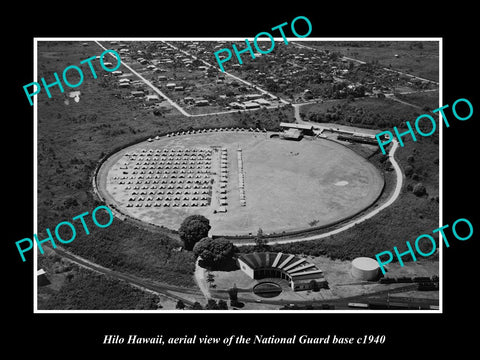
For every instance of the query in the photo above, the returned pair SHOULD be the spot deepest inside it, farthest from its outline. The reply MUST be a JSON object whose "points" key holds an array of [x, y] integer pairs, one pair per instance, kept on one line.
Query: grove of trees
{"points": [[192, 229], [212, 253]]}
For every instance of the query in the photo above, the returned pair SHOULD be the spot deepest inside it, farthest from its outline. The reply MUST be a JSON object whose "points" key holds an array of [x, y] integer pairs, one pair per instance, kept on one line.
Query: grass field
{"points": [[418, 58], [289, 185]]}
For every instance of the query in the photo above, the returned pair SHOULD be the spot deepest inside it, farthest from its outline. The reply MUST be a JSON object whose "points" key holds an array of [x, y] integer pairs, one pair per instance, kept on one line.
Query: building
{"points": [[251, 97], [292, 134], [42, 279], [262, 102], [305, 129], [137, 93], [201, 102], [152, 98], [235, 105], [301, 274], [364, 268], [251, 105]]}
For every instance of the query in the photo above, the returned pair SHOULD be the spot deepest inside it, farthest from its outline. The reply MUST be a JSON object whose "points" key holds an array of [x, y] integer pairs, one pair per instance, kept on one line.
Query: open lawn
{"points": [[289, 185]]}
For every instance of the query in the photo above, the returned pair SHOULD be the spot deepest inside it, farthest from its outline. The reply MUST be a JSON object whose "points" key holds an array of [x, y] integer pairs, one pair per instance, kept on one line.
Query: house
{"points": [[137, 93], [171, 86], [262, 102], [251, 105], [201, 102], [235, 105], [152, 98], [252, 96], [42, 279]]}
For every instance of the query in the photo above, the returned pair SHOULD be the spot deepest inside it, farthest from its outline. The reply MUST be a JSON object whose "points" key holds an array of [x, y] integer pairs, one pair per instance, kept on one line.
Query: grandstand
{"points": [[296, 270]]}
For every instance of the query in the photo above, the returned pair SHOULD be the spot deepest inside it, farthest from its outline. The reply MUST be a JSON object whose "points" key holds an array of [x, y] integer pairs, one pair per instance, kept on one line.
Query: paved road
{"points": [[153, 87], [200, 280], [231, 75], [169, 291], [348, 225]]}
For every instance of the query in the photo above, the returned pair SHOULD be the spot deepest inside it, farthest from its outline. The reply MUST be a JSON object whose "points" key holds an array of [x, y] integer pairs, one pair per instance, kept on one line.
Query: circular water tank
{"points": [[364, 268]]}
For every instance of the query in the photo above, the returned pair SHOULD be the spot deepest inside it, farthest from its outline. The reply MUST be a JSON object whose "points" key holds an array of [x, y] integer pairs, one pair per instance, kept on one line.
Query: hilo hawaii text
{"points": [[249, 48], [80, 217], [71, 68]]}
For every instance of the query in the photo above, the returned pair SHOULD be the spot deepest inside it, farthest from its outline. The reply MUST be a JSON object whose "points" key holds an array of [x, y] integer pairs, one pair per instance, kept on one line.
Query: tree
{"points": [[408, 170], [314, 285], [214, 253], [192, 229], [261, 244], [210, 279], [222, 305], [180, 305], [232, 292], [419, 189], [197, 306], [211, 305]]}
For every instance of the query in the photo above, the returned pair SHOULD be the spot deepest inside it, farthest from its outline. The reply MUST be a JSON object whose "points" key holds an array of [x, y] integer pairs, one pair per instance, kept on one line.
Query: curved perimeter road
{"points": [[348, 225]]}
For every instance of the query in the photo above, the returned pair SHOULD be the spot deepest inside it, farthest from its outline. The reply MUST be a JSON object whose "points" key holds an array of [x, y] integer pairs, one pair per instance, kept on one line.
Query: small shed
{"points": [[42, 279]]}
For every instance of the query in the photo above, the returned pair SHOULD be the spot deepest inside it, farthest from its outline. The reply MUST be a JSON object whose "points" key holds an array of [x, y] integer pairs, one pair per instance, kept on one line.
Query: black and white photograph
{"points": [[219, 179], [261, 187]]}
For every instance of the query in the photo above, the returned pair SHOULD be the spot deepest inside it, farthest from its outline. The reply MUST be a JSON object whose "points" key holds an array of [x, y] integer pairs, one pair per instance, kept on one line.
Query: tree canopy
{"points": [[261, 243], [213, 253], [192, 229]]}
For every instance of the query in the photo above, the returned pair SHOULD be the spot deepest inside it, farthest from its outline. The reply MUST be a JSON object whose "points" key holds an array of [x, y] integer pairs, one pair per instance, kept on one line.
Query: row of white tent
{"points": [[201, 131], [148, 178], [203, 192], [222, 198], [165, 151], [241, 184], [171, 204]]}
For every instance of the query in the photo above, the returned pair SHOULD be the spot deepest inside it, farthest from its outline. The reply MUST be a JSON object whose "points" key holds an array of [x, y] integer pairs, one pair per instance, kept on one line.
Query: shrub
{"points": [[419, 189], [408, 170]]}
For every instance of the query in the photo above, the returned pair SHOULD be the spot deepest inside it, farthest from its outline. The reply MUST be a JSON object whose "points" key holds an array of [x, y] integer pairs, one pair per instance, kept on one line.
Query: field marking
{"points": [[396, 193]]}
